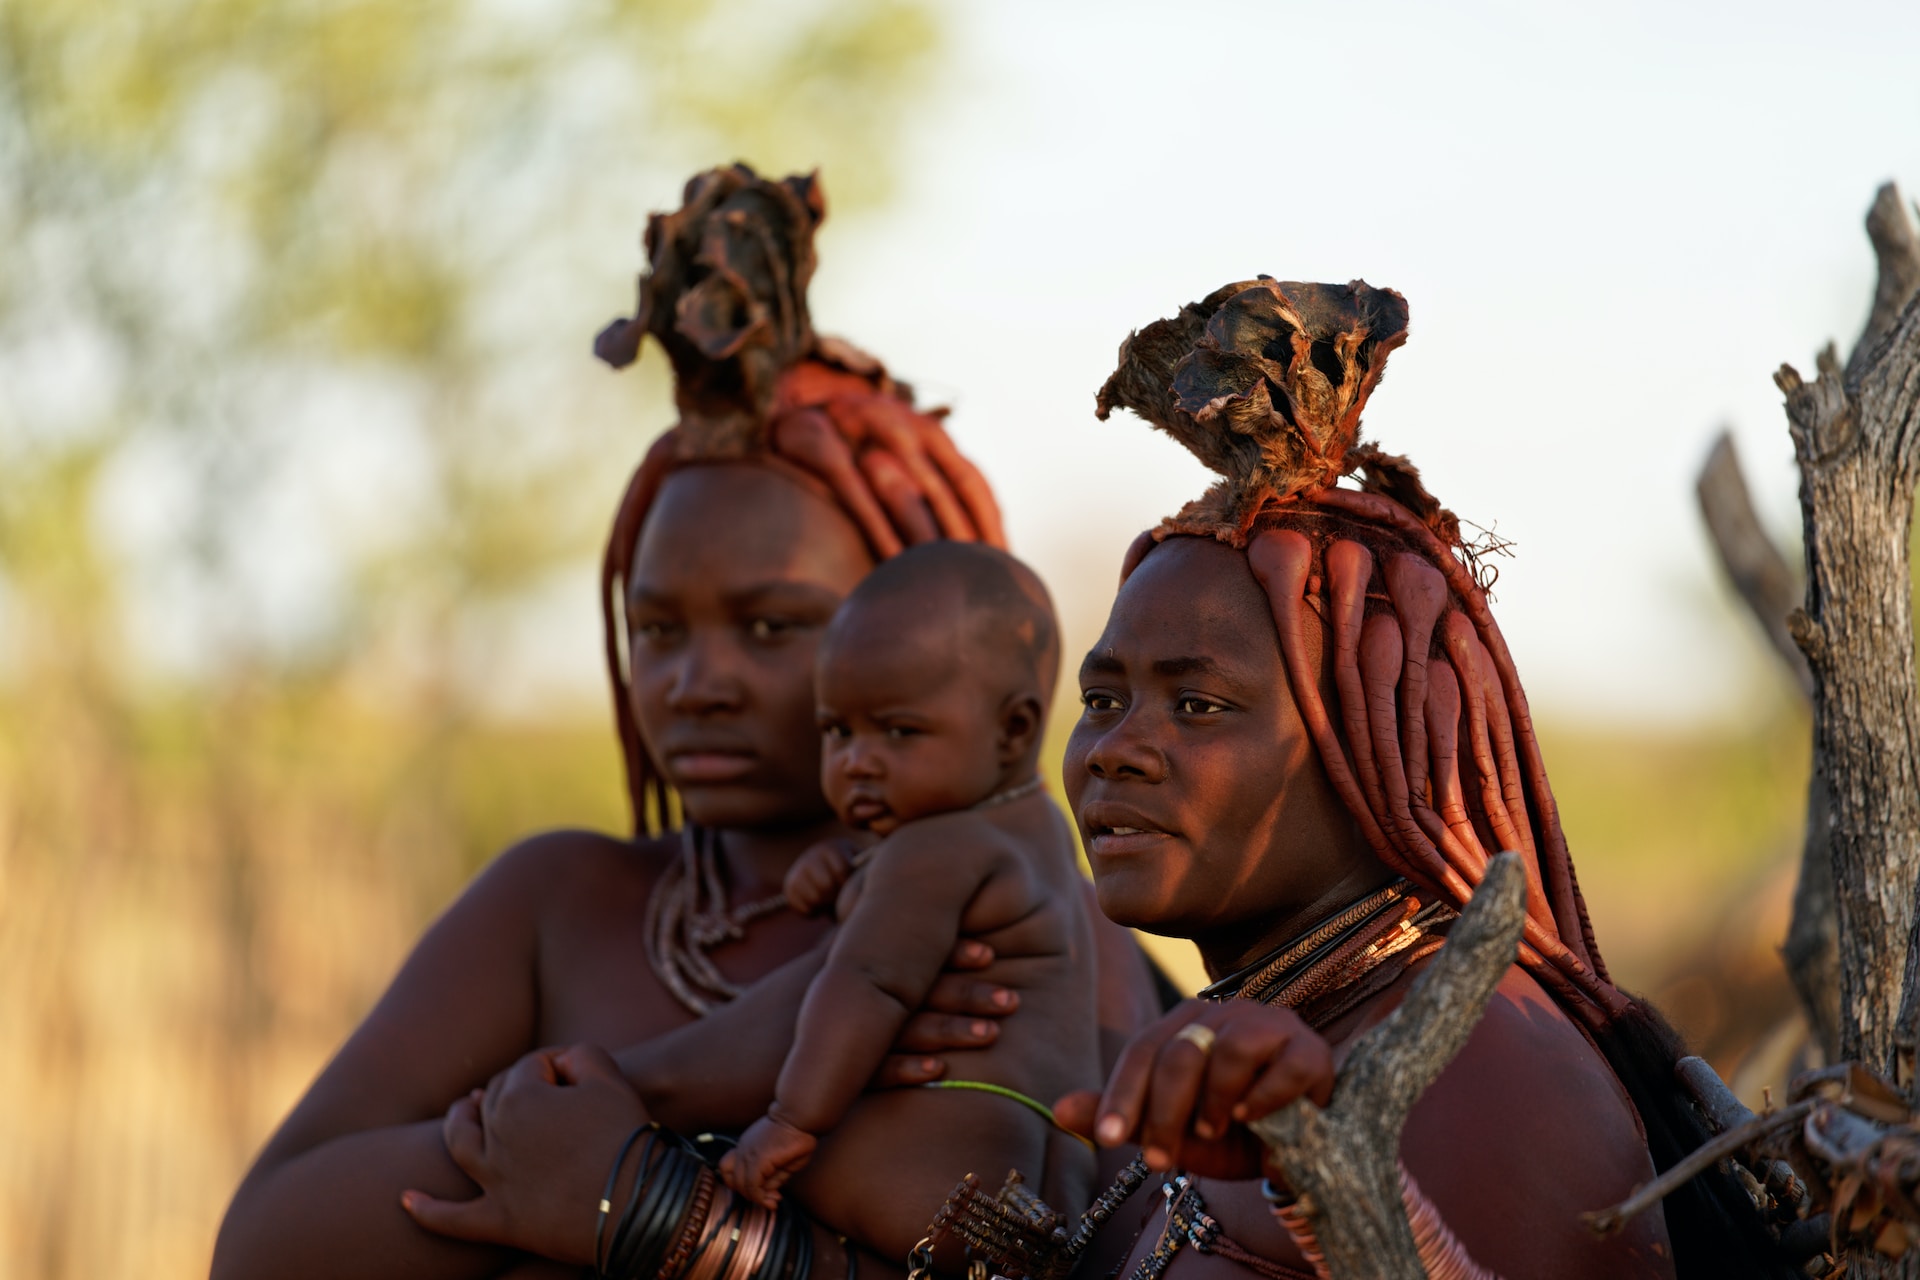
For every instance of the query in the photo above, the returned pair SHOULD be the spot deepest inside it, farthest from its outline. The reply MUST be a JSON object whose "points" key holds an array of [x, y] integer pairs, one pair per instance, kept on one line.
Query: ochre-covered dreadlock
{"points": [[1430, 743], [725, 294]]}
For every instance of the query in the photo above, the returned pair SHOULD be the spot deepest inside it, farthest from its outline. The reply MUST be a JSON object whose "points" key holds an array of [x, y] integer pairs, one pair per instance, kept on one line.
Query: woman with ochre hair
{"points": [[1303, 736], [796, 465]]}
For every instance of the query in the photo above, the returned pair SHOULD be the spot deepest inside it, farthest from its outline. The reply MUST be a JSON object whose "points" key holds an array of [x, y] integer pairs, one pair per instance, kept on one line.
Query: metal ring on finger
{"points": [[1199, 1035]]}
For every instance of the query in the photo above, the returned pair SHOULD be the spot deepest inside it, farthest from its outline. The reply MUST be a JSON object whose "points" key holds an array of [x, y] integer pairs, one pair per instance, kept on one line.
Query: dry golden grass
{"points": [[196, 904]]}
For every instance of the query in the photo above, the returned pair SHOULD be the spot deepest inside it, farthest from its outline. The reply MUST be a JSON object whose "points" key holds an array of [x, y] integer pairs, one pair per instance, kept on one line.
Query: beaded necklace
{"points": [[1344, 960], [688, 915]]}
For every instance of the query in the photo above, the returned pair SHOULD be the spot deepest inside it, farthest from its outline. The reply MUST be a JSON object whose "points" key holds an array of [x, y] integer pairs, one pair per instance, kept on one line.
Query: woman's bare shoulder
{"points": [[571, 857], [1529, 1124]]}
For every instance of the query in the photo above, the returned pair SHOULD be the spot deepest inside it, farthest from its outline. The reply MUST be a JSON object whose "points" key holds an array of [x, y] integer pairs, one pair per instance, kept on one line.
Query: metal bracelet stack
{"points": [[680, 1223]]}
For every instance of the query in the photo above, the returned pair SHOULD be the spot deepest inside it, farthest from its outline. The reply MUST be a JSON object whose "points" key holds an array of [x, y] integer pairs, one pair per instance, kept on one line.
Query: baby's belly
{"points": [[885, 1171]]}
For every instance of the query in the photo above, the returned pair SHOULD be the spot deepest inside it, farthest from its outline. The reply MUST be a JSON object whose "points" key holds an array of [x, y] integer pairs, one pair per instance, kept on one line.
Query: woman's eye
{"points": [[899, 731], [768, 628], [837, 732], [653, 633], [1193, 705], [1096, 701]]}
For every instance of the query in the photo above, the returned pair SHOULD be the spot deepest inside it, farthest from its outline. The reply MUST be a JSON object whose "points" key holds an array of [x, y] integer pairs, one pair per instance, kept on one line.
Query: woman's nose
{"points": [[703, 683], [1127, 750]]}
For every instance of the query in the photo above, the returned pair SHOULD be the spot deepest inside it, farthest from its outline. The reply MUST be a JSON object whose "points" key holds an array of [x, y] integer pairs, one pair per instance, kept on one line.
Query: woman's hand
{"points": [[539, 1141], [961, 1012], [1185, 1088]]}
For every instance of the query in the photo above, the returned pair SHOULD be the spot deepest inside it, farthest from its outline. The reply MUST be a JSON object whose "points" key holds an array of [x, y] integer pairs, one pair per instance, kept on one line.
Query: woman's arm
{"points": [[1520, 1134], [323, 1198], [521, 1141]]}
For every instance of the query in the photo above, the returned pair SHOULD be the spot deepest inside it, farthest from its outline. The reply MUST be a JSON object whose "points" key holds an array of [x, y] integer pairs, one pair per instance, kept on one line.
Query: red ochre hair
{"points": [[1429, 740], [726, 296]]}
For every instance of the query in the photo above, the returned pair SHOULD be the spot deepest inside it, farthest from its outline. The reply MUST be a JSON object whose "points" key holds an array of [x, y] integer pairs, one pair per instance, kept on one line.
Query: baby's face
{"points": [[907, 730]]}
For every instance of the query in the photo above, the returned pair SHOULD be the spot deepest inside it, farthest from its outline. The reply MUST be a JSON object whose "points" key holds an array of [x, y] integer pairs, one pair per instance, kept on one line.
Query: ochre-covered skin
{"points": [[1193, 737], [1400, 744]]}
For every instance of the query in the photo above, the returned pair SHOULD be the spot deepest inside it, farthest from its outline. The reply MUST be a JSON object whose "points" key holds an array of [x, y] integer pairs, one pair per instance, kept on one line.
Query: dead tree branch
{"points": [[1344, 1161], [1856, 437], [1760, 574], [1896, 247], [1763, 579]]}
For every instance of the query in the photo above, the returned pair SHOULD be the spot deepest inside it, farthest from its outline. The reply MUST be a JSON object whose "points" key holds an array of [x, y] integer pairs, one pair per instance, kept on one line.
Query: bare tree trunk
{"points": [[1857, 439], [1856, 435]]}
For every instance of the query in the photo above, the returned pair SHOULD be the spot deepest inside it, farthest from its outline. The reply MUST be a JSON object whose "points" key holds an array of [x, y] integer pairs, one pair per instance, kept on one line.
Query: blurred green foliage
{"points": [[298, 428]]}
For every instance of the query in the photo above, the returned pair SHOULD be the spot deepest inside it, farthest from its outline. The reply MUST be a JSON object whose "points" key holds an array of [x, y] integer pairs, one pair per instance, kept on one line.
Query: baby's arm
{"points": [[884, 959]]}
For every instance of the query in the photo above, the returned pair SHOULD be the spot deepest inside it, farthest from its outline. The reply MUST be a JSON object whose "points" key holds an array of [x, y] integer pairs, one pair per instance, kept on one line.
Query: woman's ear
{"points": [[1021, 721]]}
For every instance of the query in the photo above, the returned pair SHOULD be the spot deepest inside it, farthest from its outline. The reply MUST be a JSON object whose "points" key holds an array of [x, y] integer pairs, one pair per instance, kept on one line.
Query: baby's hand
{"points": [[770, 1153], [817, 876]]}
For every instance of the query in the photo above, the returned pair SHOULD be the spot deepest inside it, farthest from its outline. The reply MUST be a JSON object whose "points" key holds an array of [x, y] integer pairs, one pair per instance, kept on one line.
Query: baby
{"points": [[932, 688]]}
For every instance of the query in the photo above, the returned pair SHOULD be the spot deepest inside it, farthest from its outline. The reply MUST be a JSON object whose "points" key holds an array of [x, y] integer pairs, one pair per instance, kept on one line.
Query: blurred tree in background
{"points": [[298, 436]]}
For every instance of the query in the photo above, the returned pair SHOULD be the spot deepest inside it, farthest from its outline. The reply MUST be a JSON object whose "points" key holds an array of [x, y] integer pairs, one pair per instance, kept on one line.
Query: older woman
{"points": [[1302, 737], [797, 464]]}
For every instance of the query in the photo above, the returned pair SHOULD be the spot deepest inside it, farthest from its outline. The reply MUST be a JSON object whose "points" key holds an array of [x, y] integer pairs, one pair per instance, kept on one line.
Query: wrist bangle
{"points": [[606, 1200]]}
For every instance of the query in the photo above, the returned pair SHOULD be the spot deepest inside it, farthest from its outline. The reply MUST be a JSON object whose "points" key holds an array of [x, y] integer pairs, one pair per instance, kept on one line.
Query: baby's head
{"points": [[933, 683]]}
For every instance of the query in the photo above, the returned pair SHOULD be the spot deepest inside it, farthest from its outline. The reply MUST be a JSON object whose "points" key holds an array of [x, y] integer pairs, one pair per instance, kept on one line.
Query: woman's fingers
{"points": [[585, 1063], [969, 954], [1179, 1071], [464, 1136], [1183, 1083], [956, 993], [1250, 1036], [929, 1032], [477, 1219], [905, 1070], [1124, 1102], [532, 1069], [1078, 1112], [1303, 1069]]}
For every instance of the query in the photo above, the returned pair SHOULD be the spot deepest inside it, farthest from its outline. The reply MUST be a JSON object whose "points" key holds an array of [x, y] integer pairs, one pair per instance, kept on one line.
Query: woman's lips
{"points": [[709, 768], [1113, 842], [1116, 830]]}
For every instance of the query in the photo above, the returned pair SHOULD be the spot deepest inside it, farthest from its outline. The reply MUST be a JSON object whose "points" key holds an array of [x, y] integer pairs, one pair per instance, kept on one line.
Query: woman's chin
{"points": [[724, 806], [1151, 908]]}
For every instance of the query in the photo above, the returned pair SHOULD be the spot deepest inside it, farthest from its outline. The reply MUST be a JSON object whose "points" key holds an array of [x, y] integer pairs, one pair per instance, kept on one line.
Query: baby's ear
{"points": [[1022, 720]]}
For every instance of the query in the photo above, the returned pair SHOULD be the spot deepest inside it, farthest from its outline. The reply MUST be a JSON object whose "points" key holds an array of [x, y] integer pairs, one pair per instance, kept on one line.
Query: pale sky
{"points": [[1611, 224]]}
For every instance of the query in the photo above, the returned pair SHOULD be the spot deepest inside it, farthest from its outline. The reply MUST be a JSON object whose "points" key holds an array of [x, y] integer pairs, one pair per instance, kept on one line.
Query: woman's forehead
{"points": [[742, 521], [1197, 596]]}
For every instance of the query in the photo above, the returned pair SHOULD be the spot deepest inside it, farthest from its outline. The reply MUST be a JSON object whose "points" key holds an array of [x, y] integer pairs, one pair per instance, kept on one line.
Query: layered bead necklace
{"points": [[688, 913]]}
